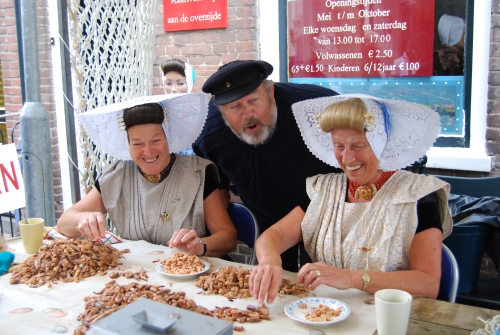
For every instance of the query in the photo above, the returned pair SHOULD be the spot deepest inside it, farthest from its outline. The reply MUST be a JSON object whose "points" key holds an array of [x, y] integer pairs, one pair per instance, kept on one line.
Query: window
{"points": [[389, 52]]}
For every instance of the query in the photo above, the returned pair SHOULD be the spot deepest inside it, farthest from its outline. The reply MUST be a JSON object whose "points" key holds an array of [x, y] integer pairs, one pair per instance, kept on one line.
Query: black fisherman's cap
{"points": [[236, 79]]}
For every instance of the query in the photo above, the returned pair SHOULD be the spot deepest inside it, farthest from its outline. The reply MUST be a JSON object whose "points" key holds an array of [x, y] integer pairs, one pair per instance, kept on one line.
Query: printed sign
{"points": [[360, 38], [11, 180], [194, 14]]}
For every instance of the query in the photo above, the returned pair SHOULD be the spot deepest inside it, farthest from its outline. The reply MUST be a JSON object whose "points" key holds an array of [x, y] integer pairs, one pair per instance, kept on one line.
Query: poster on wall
{"points": [[194, 14], [383, 48], [349, 39]]}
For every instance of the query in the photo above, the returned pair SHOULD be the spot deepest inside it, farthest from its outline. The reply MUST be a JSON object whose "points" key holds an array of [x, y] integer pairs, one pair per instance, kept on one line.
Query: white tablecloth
{"points": [[46, 303]]}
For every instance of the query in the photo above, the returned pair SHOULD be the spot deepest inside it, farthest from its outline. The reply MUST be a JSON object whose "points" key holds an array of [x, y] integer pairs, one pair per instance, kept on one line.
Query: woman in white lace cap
{"points": [[151, 193], [449, 60], [373, 226], [177, 76]]}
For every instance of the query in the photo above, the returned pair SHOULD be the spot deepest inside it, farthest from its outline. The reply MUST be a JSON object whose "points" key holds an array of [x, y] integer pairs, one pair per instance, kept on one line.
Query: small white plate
{"points": [[206, 264], [296, 313]]}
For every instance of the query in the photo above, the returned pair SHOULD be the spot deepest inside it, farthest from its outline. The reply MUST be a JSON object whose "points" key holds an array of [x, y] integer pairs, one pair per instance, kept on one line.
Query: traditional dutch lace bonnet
{"points": [[185, 116], [397, 139]]}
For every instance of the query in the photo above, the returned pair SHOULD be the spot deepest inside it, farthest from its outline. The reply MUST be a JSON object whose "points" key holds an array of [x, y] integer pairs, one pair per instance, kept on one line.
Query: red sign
{"points": [[194, 14], [360, 38]]}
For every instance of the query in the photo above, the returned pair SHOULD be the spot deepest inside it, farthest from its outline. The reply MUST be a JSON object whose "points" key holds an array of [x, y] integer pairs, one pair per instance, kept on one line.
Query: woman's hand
{"points": [[85, 218], [312, 275], [92, 225], [266, 278], [186, 241]]}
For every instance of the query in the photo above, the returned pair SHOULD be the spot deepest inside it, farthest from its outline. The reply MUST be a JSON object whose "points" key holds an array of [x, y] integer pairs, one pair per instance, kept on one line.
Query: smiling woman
{"points": [[151, 193], [371, 227], [148, 143]]}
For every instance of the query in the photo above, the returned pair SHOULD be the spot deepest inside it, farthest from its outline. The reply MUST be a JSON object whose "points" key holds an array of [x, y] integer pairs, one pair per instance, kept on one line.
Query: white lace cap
{"points": [[412, 130], [187, 114], [190, 76]]}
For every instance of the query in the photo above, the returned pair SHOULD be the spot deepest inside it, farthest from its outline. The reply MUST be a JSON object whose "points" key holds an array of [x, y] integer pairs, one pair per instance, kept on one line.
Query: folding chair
{"points": [[246, 225], [448, 285]]}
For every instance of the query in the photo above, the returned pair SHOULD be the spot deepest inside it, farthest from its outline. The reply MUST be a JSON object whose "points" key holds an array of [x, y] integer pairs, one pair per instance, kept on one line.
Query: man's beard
{"points": [[265, 132]]}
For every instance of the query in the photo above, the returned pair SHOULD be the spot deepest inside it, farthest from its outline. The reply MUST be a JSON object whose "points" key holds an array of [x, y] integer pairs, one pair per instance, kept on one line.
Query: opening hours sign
{"points": [[194, 14], [360, 38]]}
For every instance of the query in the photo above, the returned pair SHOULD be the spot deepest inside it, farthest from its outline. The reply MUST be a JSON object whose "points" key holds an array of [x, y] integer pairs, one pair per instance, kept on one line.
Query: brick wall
{"points": [[9, 58], [493, 118], [10, 64], [206, 50]]}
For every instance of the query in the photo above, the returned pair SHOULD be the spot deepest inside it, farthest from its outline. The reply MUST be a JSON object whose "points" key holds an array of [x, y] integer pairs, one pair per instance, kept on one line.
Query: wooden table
{"points": [[440, 317]]}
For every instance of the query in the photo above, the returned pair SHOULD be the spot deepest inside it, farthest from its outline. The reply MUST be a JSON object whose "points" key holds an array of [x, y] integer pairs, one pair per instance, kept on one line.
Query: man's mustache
{"points": [[250, 122]]}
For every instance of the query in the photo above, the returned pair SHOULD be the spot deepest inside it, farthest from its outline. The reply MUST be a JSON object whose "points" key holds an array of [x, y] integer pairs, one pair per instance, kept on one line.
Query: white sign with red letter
{"points": [[11, 180]]}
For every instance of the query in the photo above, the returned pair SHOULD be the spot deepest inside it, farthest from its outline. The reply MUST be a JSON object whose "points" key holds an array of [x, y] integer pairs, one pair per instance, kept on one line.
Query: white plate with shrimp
{"points": [[317, 311], [206, 266]]}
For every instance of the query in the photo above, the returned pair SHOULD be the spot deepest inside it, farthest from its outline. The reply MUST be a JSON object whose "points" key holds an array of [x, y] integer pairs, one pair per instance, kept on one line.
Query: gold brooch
{"points": [[228, 84], [153, 178], [366, 192], [164, 216]]}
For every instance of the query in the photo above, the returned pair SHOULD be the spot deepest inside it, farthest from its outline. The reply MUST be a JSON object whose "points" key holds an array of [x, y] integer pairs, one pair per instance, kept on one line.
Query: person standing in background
{"points": [[178, 77], [449, 60], [252, 137]]}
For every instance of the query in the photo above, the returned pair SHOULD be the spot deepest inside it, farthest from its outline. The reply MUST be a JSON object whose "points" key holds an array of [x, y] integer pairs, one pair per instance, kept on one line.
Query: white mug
{"points": [[392, 309]]}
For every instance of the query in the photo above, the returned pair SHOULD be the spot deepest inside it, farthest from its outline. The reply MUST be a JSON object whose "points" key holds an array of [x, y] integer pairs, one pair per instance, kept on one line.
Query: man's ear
{"points": [[271, 90]]}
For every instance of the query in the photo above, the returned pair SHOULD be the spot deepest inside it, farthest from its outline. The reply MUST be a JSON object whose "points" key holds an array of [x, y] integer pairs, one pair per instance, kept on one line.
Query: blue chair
{"points": [[246, 225], [448, 285]]}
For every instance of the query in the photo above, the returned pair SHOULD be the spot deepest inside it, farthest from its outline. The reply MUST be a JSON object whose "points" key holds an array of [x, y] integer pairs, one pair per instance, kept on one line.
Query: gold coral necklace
{"points": [[367, 192], [157, 178]]}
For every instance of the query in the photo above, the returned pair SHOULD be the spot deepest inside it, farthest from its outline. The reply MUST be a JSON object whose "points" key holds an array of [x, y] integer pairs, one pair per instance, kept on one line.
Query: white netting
{"points": [[491, 327], [112, 59]]}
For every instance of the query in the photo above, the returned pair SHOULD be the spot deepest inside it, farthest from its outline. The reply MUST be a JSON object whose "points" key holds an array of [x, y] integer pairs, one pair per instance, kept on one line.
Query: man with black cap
{"points": [[253, 138]]}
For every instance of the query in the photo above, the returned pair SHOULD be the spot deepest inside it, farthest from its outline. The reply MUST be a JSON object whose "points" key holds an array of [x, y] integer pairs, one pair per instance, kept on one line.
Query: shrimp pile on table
{"points": [[65, 260]]}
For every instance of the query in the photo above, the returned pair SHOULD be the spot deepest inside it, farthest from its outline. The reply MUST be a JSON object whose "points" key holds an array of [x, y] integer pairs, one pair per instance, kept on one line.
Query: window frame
{"points": [[273, 49]]}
